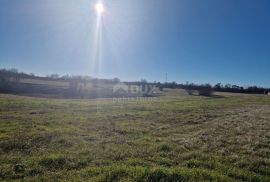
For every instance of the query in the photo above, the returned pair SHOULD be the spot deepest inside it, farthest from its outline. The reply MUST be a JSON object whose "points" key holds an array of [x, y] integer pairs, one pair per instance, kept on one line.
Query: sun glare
{"points": [[99, 8]]}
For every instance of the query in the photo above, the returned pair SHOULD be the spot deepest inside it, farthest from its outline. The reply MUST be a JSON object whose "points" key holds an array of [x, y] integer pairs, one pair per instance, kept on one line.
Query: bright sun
{"points": [[99, 8]]}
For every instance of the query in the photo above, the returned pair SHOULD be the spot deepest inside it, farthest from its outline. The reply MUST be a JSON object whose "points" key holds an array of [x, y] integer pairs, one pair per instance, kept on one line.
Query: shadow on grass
{"points": [[216, 96]]}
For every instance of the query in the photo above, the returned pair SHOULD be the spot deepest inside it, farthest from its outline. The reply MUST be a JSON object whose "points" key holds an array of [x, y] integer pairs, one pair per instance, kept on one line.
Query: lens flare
{"points": [[98, 49], [100, 9]]}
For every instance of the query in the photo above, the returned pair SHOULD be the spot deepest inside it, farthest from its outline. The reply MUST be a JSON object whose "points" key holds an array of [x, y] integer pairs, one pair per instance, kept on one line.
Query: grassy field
{"points": [[173, 138]]}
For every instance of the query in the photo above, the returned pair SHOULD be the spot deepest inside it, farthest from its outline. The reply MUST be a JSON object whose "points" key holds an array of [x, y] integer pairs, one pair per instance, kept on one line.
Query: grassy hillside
{"points": [[75, 88], [57, 89], [173, 138]]}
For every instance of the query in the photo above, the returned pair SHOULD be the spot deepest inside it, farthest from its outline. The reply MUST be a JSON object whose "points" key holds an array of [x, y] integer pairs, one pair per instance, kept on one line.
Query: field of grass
{"points": [[172, 138]]}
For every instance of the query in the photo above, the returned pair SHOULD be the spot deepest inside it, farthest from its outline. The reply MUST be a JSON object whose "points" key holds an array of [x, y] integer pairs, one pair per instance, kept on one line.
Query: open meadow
{"points": [[175, 137]]}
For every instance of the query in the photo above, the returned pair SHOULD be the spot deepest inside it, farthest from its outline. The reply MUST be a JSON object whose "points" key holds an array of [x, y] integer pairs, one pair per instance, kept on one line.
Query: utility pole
{"points": [[166, 78]]}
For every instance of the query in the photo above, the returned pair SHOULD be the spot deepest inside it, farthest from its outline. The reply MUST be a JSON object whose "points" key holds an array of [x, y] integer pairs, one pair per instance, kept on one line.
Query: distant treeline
{"points": [[13, 81], [14, 73], [218, 87]]}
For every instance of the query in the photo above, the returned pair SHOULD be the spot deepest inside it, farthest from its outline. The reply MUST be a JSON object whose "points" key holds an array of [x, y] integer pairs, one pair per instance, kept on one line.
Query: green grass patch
{"points": [[173, 138]]}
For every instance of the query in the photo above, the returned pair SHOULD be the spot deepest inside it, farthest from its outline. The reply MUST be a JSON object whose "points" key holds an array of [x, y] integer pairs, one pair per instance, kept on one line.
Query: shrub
{"points": [[55, 163], [206, 90], [189, 91]]}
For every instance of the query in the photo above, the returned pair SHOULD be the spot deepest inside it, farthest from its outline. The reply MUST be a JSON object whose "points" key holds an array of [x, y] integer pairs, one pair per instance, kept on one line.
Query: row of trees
{"points": [[16, 76], [208, 88], [7, 75]]}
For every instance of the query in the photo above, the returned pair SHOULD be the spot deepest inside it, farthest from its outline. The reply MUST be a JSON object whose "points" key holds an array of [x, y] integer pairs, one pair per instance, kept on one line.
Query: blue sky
{"points": [[201, 41]]}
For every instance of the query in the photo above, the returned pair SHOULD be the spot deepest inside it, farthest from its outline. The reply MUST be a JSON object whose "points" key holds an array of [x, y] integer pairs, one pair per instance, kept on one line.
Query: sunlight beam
{"points": [[100, 9]]}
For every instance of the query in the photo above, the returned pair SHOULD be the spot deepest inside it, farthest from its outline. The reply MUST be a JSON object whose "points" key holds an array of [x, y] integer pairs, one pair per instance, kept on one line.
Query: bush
{"points": [[189, 91], [206, 91]]}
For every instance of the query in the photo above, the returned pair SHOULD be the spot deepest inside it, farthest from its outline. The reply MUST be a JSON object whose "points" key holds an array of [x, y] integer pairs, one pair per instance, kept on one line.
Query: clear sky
{"points": [[201, 41]]}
